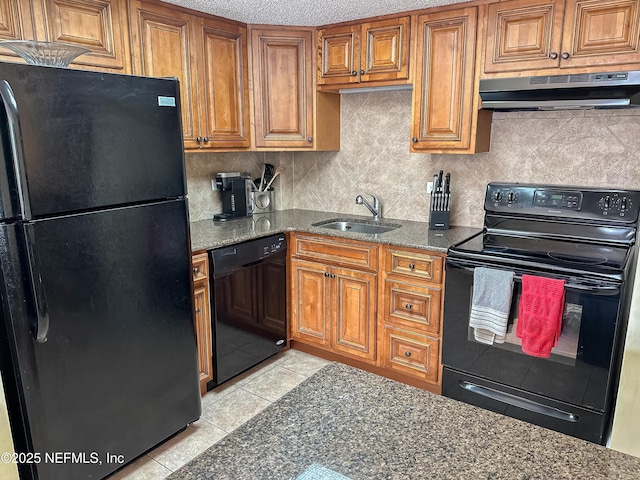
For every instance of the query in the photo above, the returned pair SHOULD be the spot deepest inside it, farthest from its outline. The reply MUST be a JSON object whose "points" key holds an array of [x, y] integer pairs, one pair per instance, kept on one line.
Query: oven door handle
{"points": [[520, 402], [602, 290]]}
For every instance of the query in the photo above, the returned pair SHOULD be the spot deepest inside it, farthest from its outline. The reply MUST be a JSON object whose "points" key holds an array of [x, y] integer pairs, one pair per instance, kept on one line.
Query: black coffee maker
{"points": [[235, 189]]}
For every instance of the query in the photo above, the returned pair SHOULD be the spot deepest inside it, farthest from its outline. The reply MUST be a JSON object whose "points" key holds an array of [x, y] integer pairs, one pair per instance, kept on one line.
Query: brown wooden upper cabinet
{"points": [[368, 52], [208, 56], [287, 111], [537, 34], [16, 23], [100, 25], [445, 117]]}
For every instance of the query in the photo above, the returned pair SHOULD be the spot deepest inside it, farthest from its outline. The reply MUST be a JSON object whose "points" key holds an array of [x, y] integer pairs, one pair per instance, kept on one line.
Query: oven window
{"points": [[576, 374], [565, 351]]}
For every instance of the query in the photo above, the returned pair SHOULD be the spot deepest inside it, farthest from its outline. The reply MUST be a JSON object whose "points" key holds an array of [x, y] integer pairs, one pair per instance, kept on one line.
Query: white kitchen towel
{"points": [[491, 303]]}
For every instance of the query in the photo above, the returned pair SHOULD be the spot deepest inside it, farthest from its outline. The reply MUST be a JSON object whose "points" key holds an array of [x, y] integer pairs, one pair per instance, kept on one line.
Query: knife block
{"points": [[439, 220]]}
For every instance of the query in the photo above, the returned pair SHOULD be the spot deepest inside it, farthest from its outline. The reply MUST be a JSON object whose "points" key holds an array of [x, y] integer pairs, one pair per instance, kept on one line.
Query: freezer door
{"points": [[118, 372], [94, 139]]}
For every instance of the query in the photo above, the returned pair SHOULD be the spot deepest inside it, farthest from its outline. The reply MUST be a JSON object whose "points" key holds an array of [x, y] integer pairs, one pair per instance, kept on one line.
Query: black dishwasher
{"points": [[249, 305]]}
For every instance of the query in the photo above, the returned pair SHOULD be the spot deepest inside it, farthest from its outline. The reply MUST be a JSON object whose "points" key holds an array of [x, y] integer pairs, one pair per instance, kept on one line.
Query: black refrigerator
{"points": [[97, 344]]}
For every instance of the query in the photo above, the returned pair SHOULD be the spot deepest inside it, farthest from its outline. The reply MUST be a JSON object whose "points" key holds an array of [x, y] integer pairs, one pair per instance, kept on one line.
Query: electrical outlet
{"points": [[429, 187]]}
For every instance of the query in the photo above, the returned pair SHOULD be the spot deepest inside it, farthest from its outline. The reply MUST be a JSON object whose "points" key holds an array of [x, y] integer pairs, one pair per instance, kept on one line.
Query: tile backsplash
{"points": [[587, 148]]}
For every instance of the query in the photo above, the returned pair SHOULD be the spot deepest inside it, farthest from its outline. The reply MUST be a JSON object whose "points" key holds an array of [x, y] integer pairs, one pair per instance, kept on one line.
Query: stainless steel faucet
{"points": [[375, 209]]}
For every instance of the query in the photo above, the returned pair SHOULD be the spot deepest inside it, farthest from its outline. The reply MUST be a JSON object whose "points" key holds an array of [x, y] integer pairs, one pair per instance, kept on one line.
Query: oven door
{"points": [[570, 391]]}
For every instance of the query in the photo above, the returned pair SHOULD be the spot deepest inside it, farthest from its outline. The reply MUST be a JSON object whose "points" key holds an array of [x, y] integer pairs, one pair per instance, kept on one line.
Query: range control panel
{"points": [[557, 201]]}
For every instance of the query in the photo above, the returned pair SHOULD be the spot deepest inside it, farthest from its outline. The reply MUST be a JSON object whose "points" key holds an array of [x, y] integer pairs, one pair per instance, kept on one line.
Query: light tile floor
{"points": [[223, 410]]}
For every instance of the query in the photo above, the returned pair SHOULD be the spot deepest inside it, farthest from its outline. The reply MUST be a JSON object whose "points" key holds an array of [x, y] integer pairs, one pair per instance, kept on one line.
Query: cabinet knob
{"points": [[414, 140], [205, 139], [196, 270], [198, 139], [412, 266], [553, 55], [310, 139], [326, 274], [333, 275], [361, 72], [197, 310], [407, 354], [354, 73], [565, 55], [408, 306]]}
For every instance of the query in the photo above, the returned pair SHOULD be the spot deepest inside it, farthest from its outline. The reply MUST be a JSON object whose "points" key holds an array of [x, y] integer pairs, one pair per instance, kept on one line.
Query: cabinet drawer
{"points": [[200, 265], [414, 307], [412, 354], [415, 265], [352, 254]]}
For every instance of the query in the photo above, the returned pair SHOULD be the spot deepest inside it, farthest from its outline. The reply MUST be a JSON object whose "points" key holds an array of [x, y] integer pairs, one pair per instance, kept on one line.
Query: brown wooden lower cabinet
{"points": [[202, 318], [382, 316], [334, 307]]}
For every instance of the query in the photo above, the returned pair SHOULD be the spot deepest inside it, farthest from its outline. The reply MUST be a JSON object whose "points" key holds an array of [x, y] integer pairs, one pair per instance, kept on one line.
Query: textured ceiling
{"points": [[305, 12]]}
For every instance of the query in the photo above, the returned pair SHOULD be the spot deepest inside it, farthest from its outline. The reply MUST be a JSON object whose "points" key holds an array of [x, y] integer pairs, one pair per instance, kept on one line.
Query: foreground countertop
{"points": [[207, 234], [366, 427]]}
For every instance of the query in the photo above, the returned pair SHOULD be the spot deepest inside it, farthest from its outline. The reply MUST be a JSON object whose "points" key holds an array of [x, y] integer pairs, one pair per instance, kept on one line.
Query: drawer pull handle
{"points": [[197, 310], [408, 306], [412, 266], [407, 354], [196, 270]]}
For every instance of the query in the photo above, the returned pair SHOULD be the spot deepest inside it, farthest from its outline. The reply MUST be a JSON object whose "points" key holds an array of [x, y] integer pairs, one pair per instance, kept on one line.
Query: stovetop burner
{"points": [[597, 259]]}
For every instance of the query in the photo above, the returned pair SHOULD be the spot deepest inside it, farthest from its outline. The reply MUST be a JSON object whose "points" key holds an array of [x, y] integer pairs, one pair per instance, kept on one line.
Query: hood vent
{"points": [[595, 90]]}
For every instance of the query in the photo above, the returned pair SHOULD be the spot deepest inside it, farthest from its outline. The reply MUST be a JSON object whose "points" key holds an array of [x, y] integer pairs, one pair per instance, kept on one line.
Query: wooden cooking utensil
{"points": [[276, 173]]}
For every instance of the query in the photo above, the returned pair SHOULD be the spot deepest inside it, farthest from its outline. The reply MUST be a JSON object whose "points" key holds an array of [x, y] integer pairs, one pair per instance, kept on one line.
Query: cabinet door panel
{"points": [[338, 52], [283, 88], [225, 98], [100, 25], [354, 313], [385, 47], [165, 46], [310, 302], [522, 35], [445, 87], [601, 32], [16, 23], [202, 320]]}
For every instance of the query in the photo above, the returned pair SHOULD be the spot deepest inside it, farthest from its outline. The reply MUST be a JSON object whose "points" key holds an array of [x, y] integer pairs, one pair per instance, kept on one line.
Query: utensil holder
{"points": [[264, 202], [439, 220]]}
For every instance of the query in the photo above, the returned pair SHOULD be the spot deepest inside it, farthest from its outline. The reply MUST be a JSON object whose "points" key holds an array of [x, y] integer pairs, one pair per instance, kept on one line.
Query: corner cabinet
{"points": [[446, 116], [532, 35], [363, 53], [208, 56], [202, 318], [333, 295], [288, 113]]}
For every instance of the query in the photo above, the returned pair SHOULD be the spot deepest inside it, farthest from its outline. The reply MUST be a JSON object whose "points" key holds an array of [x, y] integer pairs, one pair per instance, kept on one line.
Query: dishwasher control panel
{"points": [[273, 245], [227, 259]]}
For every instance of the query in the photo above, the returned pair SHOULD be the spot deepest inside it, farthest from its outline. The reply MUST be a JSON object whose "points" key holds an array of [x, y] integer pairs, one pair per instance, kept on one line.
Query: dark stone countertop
{"points": [[367, 427], [207, 234]]}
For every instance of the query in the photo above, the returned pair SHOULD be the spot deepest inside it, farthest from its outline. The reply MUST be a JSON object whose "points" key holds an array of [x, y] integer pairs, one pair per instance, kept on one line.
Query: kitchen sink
{"points": [[369, 227]]}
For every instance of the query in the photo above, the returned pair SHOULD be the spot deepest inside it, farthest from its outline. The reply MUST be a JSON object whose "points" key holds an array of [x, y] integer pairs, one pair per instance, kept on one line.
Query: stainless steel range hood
{"points": [[594, 90]]}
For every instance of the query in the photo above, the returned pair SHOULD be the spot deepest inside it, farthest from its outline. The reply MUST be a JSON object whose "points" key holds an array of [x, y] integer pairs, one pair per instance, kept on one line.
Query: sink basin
{"points": [[358, 226]]}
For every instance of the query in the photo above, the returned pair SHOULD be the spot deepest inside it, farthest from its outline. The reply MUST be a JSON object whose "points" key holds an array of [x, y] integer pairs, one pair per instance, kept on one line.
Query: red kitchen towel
{"points": [[540, 314]]}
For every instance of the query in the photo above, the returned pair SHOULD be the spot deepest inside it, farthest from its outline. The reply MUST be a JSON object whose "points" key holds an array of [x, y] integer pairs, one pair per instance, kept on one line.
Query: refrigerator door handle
{"points": [[41, 329], [17, 149]]}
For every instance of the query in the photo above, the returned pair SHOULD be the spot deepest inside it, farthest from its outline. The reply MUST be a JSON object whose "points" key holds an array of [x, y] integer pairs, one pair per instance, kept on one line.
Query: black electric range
{"points": [[584, 236]]}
